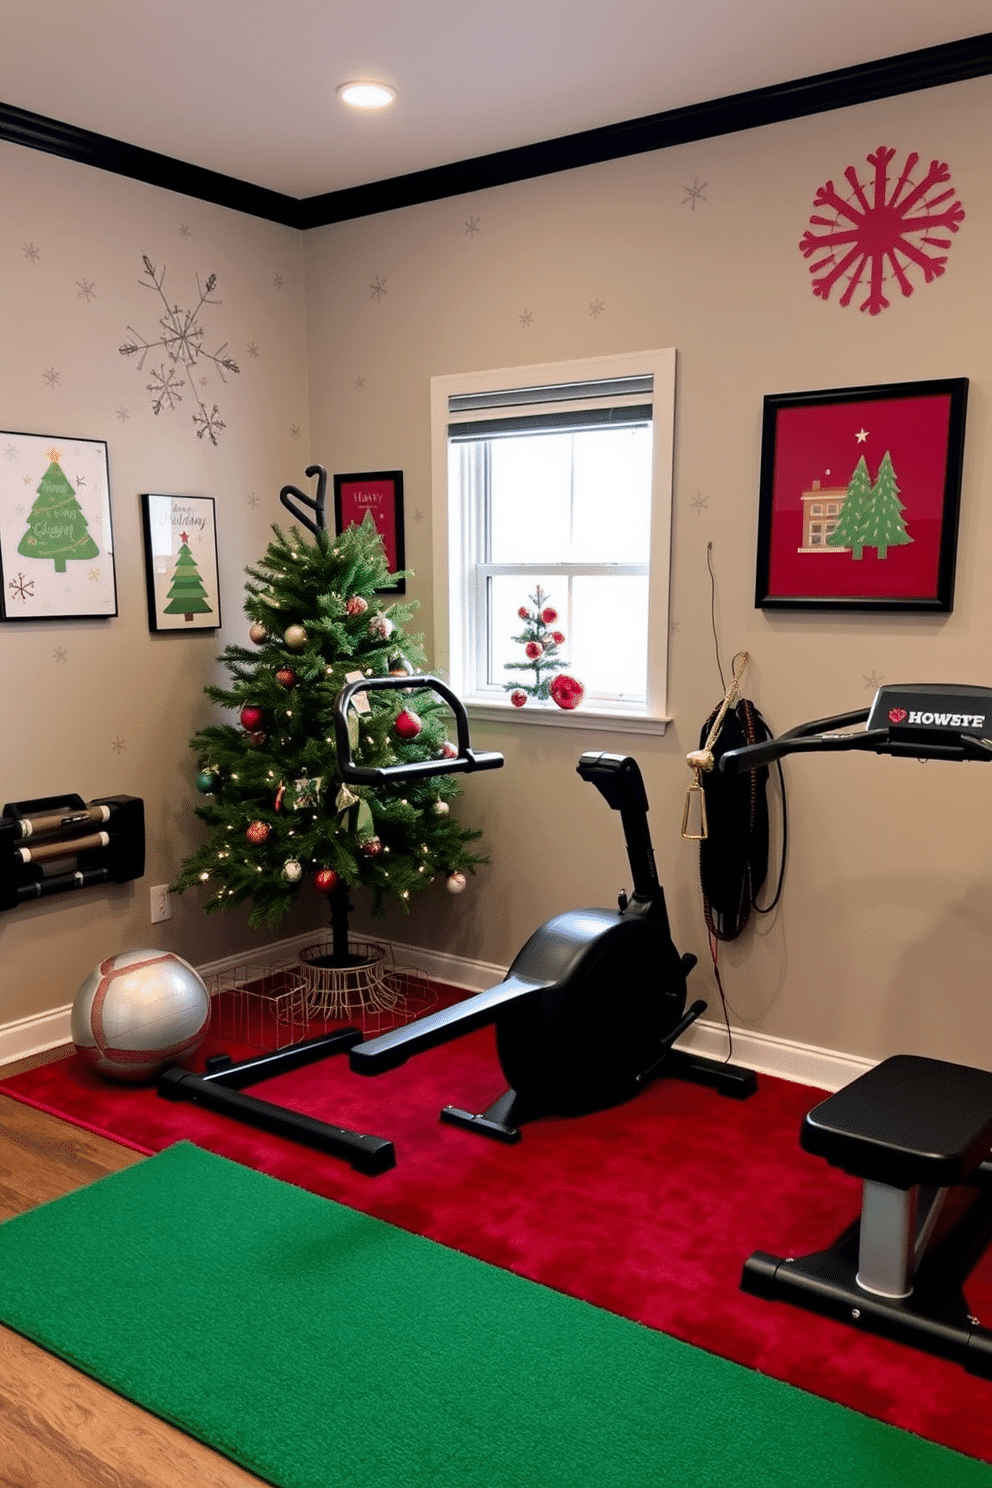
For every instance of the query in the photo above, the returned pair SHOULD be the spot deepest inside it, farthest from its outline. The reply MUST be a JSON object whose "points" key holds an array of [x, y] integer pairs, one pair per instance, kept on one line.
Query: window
{"points": [[557, 479]]}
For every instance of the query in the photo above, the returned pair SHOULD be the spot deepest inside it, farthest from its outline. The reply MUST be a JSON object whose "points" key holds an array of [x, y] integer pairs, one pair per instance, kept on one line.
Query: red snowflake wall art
{"points": [[880, 232]]}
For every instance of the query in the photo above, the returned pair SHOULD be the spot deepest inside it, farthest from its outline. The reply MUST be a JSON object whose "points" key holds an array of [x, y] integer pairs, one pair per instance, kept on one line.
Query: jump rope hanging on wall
{"points": [[728, 814]]}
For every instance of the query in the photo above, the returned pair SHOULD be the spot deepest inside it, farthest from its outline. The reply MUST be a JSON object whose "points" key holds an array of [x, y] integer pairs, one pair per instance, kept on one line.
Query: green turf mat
{"points": [[321, 1348]]}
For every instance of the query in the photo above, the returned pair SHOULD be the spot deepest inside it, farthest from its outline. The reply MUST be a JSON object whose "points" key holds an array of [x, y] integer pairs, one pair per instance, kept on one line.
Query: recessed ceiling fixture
{"points": [[365, 95]]}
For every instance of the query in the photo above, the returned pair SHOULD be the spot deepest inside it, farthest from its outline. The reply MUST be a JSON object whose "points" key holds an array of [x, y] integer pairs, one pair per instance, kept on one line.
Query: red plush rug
{"points": [[648, 1209]]}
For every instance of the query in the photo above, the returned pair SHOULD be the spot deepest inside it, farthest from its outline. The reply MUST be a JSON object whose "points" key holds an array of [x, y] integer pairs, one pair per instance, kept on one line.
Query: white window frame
{"points": [[454, 633]]}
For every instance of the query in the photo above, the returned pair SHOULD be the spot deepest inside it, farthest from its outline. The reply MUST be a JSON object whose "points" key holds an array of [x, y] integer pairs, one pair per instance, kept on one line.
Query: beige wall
{"points": [[883, 936], [114, 716], [886, 925]]}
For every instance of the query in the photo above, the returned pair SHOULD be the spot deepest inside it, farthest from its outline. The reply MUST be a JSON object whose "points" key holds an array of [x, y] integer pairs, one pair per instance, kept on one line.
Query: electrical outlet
{"points": [[161, 908]]}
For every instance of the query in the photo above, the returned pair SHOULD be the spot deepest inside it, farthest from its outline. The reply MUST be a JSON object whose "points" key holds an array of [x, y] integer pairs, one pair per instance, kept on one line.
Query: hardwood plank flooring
{"points": [[58, 1428]]}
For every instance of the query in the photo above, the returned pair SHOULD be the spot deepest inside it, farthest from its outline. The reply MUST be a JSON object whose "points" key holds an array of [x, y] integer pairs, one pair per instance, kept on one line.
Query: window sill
{"points": [[558, 718]]}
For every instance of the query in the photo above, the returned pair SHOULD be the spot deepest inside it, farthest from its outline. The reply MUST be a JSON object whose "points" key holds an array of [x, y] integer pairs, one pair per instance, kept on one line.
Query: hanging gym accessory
{"points": [[732, 812]]}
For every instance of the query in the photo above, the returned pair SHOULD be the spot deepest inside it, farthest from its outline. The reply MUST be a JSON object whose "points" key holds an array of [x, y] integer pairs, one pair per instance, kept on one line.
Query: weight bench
{"points": [[917, 1132]]}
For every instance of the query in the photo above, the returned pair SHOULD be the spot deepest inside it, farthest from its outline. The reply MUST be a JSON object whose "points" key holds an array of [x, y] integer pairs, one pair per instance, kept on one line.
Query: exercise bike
{"points": [[594, 1001], [916, 1131]]}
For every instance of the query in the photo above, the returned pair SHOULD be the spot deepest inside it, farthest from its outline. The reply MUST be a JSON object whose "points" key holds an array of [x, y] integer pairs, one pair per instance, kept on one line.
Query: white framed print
{"points": [[56, 537]]}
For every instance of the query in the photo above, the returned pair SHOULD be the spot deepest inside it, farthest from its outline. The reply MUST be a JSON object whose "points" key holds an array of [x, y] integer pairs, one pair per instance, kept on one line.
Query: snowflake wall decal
{"points": [[181, 340], [881, 232]]}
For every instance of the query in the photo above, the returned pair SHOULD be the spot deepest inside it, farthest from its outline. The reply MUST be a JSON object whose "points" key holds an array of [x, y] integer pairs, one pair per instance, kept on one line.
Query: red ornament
{"points": [[558, 636], [251, 718], [356, 605], [371, 847], [549, 615], [524, 612], [533, 650], [286, 677], [518, 698], [407, 725], [566, 691], [325, 879], [447, 750], [257, 738], [258, 832]]}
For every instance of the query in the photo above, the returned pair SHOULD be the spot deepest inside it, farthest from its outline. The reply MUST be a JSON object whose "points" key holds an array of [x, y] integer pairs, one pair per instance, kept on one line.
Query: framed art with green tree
{"points": [[859, 495], [56, 539], [181, 562]]}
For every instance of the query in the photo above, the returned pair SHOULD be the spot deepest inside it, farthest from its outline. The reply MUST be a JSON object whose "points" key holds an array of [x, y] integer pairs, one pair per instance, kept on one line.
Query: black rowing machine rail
{"points": [[221, 1088]]}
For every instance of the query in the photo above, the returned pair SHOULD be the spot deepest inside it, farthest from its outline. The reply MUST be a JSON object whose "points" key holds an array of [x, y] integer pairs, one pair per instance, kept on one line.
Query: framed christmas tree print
{"points": [[56, 540], [181, 563], [859, 496]]}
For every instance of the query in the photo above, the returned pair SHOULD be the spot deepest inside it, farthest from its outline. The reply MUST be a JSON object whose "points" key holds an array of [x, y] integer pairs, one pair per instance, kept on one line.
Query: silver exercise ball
{"points": [[137, 1013]]}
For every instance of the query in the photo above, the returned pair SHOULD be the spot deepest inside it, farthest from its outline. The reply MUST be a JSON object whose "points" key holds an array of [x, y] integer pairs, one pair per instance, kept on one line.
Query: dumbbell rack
{"points": [[57, 844]]}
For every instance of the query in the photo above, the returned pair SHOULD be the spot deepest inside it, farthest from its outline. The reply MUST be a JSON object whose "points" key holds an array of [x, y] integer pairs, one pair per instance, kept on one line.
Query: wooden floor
{"points": [[59, 1429]]}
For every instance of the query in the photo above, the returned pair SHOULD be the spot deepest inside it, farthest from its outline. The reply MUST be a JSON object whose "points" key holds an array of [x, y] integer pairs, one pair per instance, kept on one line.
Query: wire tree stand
{"points": [[270, 1003]]}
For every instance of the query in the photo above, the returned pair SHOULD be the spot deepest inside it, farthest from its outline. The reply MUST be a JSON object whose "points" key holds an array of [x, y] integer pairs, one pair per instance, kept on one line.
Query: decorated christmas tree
{"points": [[57, 528], [541, 641], [847, 533], [187, 596], [882, 525], [277, 809]]}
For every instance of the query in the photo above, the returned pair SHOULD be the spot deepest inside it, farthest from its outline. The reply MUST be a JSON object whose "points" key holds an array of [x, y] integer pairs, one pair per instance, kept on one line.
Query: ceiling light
{"points": [[366, 95]]}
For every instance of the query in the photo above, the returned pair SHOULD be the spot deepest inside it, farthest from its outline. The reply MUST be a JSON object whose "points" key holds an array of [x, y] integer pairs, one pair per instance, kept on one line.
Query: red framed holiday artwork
{"points": [[859, 496], [381, 493]]}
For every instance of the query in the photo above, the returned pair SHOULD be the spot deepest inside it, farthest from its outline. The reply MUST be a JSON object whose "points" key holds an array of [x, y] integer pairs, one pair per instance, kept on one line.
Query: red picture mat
{"points": [[648, 1209]]}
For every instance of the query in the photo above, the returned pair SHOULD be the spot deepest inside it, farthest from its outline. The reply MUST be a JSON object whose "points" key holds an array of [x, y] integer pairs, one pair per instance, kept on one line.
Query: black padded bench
{"points": [[917, 1132]]}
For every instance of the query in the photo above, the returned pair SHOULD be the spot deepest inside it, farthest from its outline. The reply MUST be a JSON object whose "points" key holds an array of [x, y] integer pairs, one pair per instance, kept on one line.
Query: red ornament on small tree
{"points": [[251, 718], [325, 880]]}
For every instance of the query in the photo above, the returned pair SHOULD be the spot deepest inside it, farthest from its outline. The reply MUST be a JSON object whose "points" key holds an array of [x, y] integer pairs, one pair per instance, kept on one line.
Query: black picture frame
{"points": [[894, 450], [181, 529], [381, 493]]}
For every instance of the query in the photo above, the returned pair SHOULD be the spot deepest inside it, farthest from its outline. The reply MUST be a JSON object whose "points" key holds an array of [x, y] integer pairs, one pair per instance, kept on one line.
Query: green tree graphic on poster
{"points": [[847, 533], [882, 525], [57, 528], [187, 596]]}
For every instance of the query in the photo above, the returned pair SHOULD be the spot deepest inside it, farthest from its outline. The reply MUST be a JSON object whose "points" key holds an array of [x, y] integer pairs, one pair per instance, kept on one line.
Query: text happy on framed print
{"points": [[56, 540], [859, 496], [181, 563]]}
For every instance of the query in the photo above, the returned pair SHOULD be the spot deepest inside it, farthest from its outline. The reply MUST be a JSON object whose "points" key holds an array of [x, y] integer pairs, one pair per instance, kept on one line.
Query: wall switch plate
{"points": [[161, 907]]}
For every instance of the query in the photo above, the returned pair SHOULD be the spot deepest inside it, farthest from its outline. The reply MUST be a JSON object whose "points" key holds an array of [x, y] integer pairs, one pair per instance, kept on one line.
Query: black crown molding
{"points": [[910, 72]]}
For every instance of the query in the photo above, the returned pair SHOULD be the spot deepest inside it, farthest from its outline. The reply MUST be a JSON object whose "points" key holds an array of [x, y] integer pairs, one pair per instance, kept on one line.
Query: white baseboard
{"points": [[805, 1064]]}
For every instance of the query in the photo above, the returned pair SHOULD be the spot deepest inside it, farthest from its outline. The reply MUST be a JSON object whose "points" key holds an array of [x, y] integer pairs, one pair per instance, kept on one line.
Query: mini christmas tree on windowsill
{"points": [[541, 640]]}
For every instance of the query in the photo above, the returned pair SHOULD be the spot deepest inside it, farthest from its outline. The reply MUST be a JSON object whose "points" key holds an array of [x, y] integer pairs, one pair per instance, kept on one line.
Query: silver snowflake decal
{"points": [[181, 338], [378, 288], [694, 193], [882, 233], [85, 290], [526, 319], [53, 378]]}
